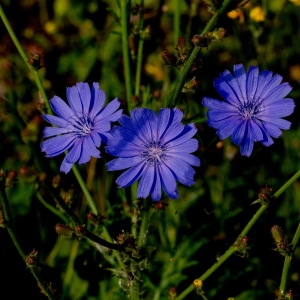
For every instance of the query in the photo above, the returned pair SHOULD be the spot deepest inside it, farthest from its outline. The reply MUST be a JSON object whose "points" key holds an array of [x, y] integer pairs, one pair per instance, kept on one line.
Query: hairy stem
{"points": [[247, 228], [125, 7], [193, 56], [287, 262], [140, 51], [9, 226], [25, 59]]}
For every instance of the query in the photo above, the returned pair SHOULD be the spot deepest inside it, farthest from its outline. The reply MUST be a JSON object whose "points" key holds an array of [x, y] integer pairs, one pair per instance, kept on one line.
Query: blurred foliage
{"points": [[80, 41]]}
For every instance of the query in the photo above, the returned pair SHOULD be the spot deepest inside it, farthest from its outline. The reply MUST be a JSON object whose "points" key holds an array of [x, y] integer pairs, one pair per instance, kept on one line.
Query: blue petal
{"points": [[123, 149], [65, 166], [109, 112], [272, 84], [172, 132], [188, 146], [79, 98], [122, 133], [183, 171], [282, 108], [188, 132], [168, 181], [240, 76], [187, 157], [56, 120], [281, 123], [57, 145], [96, 138], [141, 118], [102, 126], [163, 119], [156, 188], [239, 133], [226, 127], [60, 108], [130, 176], [97, 100], [88, 149], [226, 92], [215, 104], [75, 152], [51, 131], [277, 93], [251, 82], [272, 129], [264, 78], [255, 130], [122, 163], [146, 181]]}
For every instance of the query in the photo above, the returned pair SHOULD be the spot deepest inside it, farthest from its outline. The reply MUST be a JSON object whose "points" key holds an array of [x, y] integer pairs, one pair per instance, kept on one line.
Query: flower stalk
{"points": [[287, 262], [232, 249], [193, 56], [25, 59], [9, 226], [125, 8]]}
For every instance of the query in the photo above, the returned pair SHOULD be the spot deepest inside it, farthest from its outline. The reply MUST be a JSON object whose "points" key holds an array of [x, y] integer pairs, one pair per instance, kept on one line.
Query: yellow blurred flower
{"points": [[296, 2], [295, 73], [257, 14], [50, 27], [236, 13]]}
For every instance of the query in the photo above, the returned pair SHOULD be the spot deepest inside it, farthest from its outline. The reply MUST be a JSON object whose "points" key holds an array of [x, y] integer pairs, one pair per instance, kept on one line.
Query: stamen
{"points": [[154, 152], [82, 126], [250, 108]]}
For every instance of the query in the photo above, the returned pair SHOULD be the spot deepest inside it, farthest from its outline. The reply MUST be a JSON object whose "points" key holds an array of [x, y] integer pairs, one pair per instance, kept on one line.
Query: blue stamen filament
{"points": [[82, 126], [250, 108], [154, 152]]}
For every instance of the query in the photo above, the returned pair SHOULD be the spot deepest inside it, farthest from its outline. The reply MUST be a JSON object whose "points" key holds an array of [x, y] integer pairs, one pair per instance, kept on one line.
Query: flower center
{"points": [[154, 152], [250, 108], [82, 126]]}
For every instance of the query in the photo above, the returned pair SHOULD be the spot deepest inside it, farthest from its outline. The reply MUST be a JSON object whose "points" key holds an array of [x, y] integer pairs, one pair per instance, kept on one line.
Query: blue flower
{"points": [[253, 107], [81, 126], [155, 149]]}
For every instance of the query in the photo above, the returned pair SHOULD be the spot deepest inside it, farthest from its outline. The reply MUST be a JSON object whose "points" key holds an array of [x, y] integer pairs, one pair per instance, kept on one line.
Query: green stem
{"points": [[193, 56], [144, 224], [34, 270], [51, 208], [85, 190], [140, 51], [244, 232], [25, 58], [177, 15], [287, 262], [125, 5]]}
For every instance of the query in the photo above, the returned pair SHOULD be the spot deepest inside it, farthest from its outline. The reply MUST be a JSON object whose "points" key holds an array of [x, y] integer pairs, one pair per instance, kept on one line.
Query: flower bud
{"points": [[65, 231], [200, 40], [32, 259], [169, 58], [277, 234], [3, 223], [172, 293], [80, 231]]}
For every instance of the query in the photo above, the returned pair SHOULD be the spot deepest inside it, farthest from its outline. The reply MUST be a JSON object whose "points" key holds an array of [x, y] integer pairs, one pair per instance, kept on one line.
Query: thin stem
{"points": [[85, 190], [287, 262], [244, 232], [34, 270], [140, 51], [25, 58], [144, 224], [177, 15], [51, 208], [125, 5], [193, 56]]}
